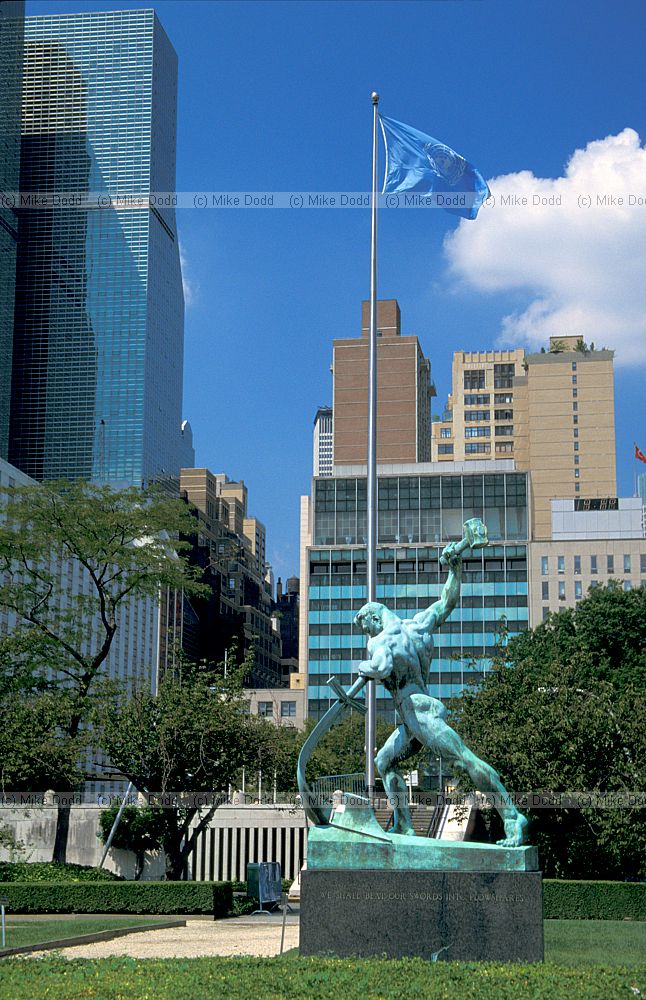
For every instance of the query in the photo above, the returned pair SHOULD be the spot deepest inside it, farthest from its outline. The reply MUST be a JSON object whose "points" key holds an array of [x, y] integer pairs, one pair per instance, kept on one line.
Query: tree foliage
{"points": [[124, 543], [140, 829], [563, 711], [120, 545], [194, 736]]}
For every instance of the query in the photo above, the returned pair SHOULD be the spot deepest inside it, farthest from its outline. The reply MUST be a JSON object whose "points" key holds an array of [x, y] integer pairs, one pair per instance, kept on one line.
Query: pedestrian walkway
{"points": [[259, 935]]}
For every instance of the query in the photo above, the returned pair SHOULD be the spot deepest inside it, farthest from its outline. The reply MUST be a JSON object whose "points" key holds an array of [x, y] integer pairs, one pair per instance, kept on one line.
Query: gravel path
{"points": [[242, 936]]}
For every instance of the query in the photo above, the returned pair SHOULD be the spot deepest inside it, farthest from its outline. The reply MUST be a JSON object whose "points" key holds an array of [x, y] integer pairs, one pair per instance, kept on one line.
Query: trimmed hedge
{"points": [[565, 900], [53, 871], [571, 900], [212, 898]]}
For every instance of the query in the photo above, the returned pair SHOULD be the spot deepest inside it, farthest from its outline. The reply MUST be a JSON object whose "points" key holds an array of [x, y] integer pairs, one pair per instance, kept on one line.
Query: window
{"points": [[642, 563], [574, 380], [576, 445], [560, 564], [576, 459], [503, 376], [502, 446], [593, 565], [574, 393], [574, 366], [628, 585], [445, 449], [477, 432], [480, 400], [503, 414], [474, 379], [577, 487], [561, 590], [575, 406], [626, 564], [575, 419], [288, 709], [545, 591], [505, 430], [576, 473], [610, 563], [266, 709], [544, 565], [578, 590], [446, 432], [477, 415], [477, 448], [546, 612], [503, 397], [576, 432], [577, 564]]}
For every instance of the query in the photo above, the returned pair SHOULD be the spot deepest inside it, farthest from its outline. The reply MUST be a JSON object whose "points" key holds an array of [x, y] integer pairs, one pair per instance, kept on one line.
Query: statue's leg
{"points": [[396, 747], [434, 732]]}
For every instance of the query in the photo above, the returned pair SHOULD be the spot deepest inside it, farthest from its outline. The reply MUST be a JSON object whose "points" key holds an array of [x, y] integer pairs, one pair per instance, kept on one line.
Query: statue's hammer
{"points": [[475, 537]]}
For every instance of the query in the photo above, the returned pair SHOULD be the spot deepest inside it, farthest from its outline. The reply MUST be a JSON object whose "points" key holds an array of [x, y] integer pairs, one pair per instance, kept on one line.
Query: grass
{"points": [[316, 978], [595, 942], [586, 959], [36, 931]]}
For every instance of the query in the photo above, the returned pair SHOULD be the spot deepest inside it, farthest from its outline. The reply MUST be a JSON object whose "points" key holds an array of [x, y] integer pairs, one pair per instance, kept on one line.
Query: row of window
{"points": [[578, 592], [485, 398], [503, 377], [287, 709], [594, 564]]}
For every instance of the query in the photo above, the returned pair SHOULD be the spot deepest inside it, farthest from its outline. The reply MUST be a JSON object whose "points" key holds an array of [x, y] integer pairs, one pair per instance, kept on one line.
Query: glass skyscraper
{"points": [[418, 513], [12, 17], [98, 335]]}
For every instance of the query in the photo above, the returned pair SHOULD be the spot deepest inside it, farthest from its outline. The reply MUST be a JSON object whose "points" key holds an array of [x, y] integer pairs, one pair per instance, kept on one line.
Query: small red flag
{"points": [[639, 454]]}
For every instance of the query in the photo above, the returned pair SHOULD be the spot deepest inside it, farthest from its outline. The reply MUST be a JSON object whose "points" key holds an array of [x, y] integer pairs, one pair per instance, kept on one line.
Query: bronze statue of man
{"points": [[400, 657]]}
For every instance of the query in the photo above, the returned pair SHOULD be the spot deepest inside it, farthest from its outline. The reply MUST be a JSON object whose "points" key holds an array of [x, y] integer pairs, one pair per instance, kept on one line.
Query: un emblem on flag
{"points": [[445, 162]]}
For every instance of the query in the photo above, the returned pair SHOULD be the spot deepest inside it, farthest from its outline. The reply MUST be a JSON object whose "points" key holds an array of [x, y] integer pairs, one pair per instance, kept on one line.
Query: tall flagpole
{"points": [[371, 561]]}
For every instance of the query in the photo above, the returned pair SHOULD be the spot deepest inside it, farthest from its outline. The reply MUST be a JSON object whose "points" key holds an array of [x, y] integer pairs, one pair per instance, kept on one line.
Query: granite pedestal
{"points": [[437, 915]]}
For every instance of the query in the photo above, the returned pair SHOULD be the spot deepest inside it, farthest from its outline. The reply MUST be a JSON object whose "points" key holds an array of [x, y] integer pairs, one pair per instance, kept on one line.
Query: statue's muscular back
{"points": [[411, 647]]}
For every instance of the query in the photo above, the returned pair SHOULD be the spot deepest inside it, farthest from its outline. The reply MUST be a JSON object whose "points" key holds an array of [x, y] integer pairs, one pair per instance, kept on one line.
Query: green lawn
{"points": [[312, 979], [595, 942], [23, 932], [586, 959]]}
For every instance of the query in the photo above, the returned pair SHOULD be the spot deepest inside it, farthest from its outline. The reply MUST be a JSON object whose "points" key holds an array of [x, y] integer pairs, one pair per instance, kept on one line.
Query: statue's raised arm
{"points": [[475, 537]]}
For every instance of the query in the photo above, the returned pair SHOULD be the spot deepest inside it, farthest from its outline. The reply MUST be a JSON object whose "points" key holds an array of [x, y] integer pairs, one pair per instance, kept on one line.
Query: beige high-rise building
{"points": [[479, 418], [552, 412], [565, 433], [404, 392]]}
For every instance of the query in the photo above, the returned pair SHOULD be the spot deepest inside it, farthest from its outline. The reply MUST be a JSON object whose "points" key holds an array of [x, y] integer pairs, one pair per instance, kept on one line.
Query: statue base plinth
{"points": [[436, 915]]}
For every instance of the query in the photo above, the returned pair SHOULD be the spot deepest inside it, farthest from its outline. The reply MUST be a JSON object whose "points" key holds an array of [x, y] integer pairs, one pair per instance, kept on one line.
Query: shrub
{"points": [[213, 898], [53, 871], [596, 900]]}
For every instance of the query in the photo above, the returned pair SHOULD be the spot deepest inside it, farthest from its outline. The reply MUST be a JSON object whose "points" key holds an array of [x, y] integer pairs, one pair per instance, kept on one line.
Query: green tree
{"points": [[342, 750], [140, 829], [194, 736], [125, 544], [562, 711]]}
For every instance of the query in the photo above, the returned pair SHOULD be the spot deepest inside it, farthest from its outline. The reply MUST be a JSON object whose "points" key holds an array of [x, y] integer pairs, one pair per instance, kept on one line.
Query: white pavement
{"points": [[260, 935]]}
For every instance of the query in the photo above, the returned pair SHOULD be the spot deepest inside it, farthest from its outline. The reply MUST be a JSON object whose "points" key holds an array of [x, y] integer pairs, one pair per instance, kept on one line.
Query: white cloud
{"points": [[579, 256], [188, 284]]}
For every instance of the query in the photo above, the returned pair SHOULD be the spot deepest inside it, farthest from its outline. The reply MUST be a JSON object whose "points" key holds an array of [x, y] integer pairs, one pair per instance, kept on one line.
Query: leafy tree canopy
{"points": [[563, 712], [194, 735]]}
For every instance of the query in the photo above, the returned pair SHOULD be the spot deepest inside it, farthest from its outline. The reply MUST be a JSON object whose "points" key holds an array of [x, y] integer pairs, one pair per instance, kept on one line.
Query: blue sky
{"points": [[276, 97]]}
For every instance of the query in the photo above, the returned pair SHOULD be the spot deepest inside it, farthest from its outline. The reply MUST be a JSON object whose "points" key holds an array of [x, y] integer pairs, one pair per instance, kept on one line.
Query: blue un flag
{"points": [[418, 162]]}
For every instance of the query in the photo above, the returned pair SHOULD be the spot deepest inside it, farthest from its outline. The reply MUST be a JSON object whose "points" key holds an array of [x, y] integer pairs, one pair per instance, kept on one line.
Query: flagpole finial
{"points": [[375, 97]]}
